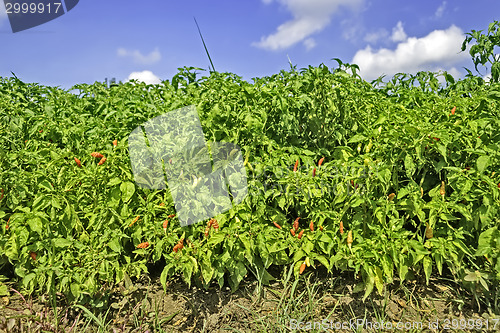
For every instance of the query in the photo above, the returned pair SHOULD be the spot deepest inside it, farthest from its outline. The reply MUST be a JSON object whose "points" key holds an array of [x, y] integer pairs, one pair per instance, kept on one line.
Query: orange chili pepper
{"points": [[143, 245], [442, 189], [302, 267], [311, 226], [300, 234], [296, 224], [277, 225], [101, 162], [321, 161], [135, 220], [97, 155], [78, 163], [296, 165]]}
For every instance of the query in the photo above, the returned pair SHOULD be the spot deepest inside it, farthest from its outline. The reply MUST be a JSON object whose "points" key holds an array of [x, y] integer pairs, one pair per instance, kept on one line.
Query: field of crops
{"points": [[390, 181]]}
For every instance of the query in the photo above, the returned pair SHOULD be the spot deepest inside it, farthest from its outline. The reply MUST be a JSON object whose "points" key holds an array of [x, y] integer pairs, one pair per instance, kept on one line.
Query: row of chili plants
{"points": [[389, 181]]}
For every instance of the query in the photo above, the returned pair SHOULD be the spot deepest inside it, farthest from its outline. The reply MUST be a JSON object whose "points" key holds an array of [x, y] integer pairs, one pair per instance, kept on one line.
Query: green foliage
{"points": [[483, 51], [74, 230]]}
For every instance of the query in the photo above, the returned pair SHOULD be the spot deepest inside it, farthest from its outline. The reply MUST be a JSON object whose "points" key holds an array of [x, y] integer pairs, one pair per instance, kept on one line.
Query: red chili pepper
{"points": [[321, 161], [311, 226], [300, 234], [135, 220], [296, 165], [296, 224], [97, 155], [302, 268], [143, 245], [179, 245], [314, 172], [78, 163], [171, 215], [33, 255], [292, 231], [1, 193], [277, 225]]}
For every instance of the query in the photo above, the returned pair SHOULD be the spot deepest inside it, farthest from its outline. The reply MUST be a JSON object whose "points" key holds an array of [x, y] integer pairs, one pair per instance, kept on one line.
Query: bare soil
{"points": [[146, 307]]}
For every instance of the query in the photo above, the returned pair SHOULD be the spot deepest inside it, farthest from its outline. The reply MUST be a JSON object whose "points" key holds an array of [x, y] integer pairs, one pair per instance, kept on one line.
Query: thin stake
{"points": [[206, 50]]}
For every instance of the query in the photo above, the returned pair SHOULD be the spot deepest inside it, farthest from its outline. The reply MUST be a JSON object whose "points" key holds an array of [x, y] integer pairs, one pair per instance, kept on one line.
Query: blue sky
{"points": [[149, 40]]}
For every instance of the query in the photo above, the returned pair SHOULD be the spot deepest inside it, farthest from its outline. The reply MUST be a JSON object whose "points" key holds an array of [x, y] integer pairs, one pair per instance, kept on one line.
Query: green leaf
{"points": [[358, 138], [323, 261], [128, 190], [369, 284], [75, 289], [379, 281], [114, 245], [4, 290], [61, 242], [216, 238], [164, 275], [482, 163], [485, 241], [409, 166], [114, 181], [35, 225], [427, 263], [207, 270]]}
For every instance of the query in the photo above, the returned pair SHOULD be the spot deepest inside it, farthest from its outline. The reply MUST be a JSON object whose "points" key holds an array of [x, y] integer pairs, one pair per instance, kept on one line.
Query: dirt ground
{"points": [[327, 299]]}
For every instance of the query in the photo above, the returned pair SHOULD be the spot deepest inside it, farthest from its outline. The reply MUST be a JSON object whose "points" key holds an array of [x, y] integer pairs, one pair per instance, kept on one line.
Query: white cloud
{"points": [[309, 16], [145, 76], [440, 10], [375, 36], [309, 43], [351, 29], [436, 51], [139, 58], [398, 33]]}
